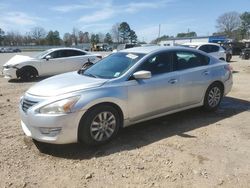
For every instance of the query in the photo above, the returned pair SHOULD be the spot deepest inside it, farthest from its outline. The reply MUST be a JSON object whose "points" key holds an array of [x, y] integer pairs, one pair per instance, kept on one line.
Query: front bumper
{"points": [[67, 124], [9, 73]]}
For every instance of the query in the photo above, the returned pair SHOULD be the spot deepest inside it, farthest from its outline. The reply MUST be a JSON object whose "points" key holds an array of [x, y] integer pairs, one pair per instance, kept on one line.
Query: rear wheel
{"points": [[99, 125], [213, 97]]}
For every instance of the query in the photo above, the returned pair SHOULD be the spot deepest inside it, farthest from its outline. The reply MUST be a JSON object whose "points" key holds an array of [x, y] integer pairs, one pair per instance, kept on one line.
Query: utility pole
{"points": [[159, 33]]}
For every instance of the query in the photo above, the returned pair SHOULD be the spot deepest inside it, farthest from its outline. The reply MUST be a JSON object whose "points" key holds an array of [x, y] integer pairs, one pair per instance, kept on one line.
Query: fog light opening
{"points": [[50, 131]]}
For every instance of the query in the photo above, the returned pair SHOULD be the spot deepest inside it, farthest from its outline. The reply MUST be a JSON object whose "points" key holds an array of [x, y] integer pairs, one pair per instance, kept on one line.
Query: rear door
{"points": [[194, 76], [74, 60]]}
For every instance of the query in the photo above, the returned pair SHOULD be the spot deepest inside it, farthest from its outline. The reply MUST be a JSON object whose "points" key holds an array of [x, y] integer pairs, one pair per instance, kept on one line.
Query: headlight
{"points": [[60, 107], [10, 66]]}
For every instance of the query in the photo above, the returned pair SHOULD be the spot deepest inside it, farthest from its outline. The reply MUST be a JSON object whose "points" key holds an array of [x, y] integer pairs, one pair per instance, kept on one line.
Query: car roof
{"points": [[199, 43], [65, 48], [150, 49]]}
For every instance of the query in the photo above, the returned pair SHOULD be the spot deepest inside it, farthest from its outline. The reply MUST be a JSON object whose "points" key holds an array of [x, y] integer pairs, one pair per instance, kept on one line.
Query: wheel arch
{"points": [[26, 67], [220, 83], [115, 106]]}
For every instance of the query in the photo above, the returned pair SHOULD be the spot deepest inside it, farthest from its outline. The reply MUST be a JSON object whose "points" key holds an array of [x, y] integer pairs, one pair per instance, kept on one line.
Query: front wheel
{"points": [[99, 125], [27, 74], [213, 97]]}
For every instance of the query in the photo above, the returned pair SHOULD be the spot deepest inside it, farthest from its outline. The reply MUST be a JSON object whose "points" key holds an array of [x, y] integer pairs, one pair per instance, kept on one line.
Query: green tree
{"points": [[53, 38], [108, 38], [245, 24], [124, 31], [157, 40], [132, 37], [93, 40], [188, 34], [1, 36], [97, 38]]}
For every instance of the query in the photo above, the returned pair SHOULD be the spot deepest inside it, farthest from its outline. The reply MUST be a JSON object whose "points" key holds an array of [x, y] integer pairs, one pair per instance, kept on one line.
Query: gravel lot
{"points": [[187, 149]]}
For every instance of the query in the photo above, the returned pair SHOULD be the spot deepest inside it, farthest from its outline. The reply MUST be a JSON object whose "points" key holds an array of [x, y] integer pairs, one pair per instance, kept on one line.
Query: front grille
{"points": [[27, 104]]}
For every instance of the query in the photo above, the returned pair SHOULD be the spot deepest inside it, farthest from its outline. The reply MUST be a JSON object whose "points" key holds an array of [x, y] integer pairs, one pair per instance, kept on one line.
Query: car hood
{"points": [[18, 59], [64, 83]]}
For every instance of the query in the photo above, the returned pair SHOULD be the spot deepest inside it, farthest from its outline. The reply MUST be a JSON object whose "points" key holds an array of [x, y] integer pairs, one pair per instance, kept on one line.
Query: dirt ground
{"points": [[187, 149]]}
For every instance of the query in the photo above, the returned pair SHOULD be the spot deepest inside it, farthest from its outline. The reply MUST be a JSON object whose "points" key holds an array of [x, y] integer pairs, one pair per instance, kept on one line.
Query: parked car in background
{"points": [[16, 50], [50, 62], [213, 49], [245, 53], [9, 50], [125, 46], [229, 53], [125, 88]]}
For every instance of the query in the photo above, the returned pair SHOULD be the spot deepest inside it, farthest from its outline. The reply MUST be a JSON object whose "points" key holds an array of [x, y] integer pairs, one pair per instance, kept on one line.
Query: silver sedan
{"points": [[125, 88]]}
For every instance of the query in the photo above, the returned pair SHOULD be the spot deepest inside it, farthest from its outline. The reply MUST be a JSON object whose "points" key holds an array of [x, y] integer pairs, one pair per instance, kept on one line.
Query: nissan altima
{"points": [[50, 62], [125, 88]]}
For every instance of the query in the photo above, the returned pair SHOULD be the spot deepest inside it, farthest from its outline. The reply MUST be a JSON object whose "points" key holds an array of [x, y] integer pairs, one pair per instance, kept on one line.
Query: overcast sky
{"points": [[99, 15]]}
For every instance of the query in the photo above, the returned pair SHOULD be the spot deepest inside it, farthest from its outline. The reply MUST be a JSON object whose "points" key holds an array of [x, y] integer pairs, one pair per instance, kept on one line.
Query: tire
{"points": [[229, 57], [213, 97], [99, 125], [27, 73]]}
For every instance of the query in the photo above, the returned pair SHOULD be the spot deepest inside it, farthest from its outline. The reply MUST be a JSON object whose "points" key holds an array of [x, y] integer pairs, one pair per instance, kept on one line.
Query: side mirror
{"points": [[142, 75], [48, 57]]}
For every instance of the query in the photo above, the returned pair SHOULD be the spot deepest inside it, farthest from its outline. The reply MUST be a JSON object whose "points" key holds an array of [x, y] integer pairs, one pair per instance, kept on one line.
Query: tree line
{"points": [[230, 24], [119, 33]]}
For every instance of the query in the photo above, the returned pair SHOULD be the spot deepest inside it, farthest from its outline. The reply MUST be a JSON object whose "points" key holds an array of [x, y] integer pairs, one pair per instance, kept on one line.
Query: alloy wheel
{"points": [[214, 97], [103, 126]]}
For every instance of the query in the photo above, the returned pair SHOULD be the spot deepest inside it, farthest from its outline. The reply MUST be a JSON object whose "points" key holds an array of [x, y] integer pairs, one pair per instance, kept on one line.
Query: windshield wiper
{"points": [[90, 75]]}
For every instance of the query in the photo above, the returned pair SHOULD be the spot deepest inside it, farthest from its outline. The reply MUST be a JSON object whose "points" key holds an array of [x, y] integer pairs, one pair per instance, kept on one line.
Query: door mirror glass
{"points": [[48, 57], [142, 74]]}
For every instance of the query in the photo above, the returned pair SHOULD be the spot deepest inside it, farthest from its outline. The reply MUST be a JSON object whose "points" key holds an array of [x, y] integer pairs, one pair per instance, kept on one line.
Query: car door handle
{"points": [[172, 81], [205, 73]]}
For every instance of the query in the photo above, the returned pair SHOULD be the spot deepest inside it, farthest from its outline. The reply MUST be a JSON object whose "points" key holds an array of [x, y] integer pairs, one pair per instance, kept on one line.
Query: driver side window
{"points": [[58, 54], [158, 64]]}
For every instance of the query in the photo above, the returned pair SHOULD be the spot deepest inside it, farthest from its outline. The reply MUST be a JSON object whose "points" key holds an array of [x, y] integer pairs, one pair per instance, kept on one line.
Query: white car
{"points": [[212, 49], [50, 62]]}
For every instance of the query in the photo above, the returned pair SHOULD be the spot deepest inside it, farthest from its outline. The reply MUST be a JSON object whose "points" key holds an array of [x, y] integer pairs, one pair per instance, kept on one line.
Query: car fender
{"points": [[34, 64], [91, 98]]}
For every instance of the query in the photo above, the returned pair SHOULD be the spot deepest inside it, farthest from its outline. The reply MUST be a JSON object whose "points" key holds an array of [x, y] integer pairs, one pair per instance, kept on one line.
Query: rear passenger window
{"points": [[58, 54], [75, 53], [185, 60], [204, 48], [214, 48]]}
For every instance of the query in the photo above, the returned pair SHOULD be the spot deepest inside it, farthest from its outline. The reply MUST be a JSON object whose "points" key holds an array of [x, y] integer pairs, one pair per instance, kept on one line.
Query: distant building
{"points": [[179, 41]]}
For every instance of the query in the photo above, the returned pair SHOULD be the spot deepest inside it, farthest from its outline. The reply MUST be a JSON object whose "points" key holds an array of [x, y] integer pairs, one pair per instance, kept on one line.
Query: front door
{"points": [[159, 94]]}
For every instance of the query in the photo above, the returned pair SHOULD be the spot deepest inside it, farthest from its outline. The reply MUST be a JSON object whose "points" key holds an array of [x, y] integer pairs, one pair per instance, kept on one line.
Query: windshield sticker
{"points": [[131, 56], [117, 74]]}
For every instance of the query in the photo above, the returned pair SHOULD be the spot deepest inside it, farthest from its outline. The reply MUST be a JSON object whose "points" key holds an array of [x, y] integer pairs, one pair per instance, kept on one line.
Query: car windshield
{"points": [[113, 66], [40, 55]]}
